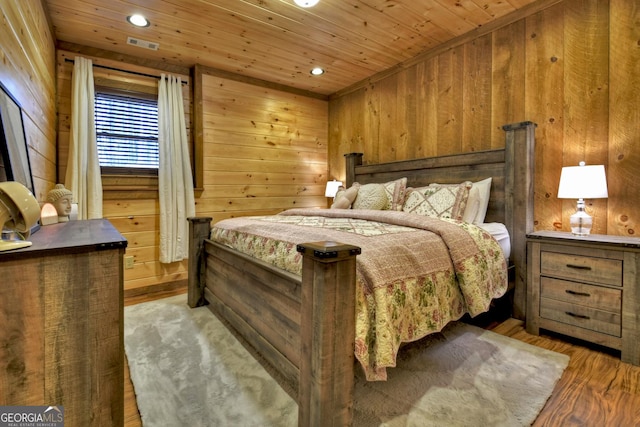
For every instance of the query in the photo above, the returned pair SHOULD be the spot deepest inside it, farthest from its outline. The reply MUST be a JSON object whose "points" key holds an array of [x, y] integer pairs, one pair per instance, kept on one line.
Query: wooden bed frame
{"points": [[304, 327]]}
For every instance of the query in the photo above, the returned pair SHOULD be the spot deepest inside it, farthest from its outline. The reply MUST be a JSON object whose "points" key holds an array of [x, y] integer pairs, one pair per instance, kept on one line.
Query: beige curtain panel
{"points": [[175, 180], [83, 168]]}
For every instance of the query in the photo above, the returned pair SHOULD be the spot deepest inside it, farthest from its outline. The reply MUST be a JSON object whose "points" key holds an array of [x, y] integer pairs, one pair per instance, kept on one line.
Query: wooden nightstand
{"points": [[585, 287]]}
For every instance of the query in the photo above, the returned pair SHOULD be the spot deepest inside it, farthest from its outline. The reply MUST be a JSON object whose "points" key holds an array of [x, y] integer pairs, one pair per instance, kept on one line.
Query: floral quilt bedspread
{"points": [[415, 273]]}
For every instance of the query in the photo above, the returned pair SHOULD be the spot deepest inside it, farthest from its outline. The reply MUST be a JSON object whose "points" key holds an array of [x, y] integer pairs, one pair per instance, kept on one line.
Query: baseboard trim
{"points": [[168, 287]]}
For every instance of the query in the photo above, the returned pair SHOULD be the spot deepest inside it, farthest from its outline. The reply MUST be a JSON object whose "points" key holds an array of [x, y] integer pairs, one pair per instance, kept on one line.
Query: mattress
{"points": [[499, 232]]}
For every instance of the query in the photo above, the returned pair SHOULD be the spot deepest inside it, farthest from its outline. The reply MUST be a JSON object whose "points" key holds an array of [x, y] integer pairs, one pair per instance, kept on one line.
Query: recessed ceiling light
{"points": [[317, 71], [138, 20], [306, 3]]}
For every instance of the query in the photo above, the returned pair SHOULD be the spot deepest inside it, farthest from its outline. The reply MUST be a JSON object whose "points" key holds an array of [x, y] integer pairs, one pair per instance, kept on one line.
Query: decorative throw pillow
{"points": [[371, 196], [441, 201], [396, 191], [478, 201], [345, 197]]}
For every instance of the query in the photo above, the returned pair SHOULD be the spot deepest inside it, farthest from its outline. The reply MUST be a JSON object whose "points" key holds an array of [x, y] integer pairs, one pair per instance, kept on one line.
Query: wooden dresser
{"points": [[61, 317], [587, 288]]}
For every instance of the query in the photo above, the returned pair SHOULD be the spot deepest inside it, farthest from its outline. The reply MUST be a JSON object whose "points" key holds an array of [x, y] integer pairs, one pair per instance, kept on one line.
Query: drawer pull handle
{"points": [[579, 316], [579, 267], [581, 294]]}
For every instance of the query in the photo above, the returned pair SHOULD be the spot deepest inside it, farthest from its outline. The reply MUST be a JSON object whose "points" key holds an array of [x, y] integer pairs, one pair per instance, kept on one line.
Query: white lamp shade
{"points": [[583, 182], [332, 188]]}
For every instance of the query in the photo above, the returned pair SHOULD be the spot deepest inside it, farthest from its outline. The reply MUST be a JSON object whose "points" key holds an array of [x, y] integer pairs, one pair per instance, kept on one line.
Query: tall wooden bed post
{"points": [[199, 229], [519, 164], [327, 334]]}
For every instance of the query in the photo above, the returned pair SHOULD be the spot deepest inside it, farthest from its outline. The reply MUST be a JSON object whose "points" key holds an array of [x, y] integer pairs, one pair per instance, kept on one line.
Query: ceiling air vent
{"points": [[142, 43]]}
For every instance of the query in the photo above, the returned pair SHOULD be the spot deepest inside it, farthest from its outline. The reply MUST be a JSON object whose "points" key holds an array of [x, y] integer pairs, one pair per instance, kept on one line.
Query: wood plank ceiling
{"points": [[276, 40]]}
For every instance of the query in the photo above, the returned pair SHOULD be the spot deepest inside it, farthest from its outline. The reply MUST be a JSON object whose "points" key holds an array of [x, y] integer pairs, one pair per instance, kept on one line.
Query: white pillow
{"points": [[484, 191], [473, 205]]}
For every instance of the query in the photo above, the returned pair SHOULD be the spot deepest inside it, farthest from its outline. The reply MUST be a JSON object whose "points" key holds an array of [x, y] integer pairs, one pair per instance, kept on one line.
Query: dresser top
{"points": [[72, 236], [629, 242]]}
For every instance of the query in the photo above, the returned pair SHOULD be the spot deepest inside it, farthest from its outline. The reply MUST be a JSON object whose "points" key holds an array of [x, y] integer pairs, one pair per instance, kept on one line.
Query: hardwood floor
{"points": [[131, 414], [596, 389]]}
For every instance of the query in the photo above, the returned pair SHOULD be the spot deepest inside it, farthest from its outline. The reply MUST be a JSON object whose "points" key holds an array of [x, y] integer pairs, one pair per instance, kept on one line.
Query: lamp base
{"points": [[7, 245], [581, 222]]}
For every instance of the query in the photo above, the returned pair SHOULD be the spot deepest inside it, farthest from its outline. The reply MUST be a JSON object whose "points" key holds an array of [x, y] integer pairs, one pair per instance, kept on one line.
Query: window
{"points": [[127, 134]]}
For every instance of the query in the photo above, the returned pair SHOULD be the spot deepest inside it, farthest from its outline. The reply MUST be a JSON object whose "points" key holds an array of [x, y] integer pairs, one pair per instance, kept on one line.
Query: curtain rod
{"points": [[121, 70]]}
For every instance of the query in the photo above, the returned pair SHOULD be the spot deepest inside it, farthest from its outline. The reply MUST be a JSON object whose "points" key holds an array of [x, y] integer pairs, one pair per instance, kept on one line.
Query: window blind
{"points": [[126, 131]]}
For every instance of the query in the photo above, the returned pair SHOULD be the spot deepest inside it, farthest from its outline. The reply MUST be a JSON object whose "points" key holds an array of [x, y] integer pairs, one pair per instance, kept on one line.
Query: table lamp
{"points": [[582, 182], [332, 188]]}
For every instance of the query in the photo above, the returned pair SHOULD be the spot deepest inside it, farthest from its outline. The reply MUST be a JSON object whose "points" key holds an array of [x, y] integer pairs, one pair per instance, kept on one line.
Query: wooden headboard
{"points": [[452, 169], [511, 199]]}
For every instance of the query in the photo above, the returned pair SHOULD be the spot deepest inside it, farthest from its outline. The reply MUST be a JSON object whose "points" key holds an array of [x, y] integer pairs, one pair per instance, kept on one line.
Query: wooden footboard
{"points": [[303, 328]]}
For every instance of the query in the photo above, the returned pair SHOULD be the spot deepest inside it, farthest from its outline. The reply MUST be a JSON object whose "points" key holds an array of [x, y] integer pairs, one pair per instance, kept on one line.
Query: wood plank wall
{"points": [[130, 203], [265, 149], [573, 68], [27, 70]]}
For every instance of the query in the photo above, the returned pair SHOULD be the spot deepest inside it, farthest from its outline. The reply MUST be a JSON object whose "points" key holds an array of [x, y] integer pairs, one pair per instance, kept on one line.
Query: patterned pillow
{"points": [[478, 201], [396, 192], [440, 201], [371, 196]]}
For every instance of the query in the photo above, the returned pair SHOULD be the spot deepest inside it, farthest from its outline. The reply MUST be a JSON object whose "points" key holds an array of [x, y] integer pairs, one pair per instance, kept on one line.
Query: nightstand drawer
{"points": [[583, 268], [584, 317], [606, 299]]}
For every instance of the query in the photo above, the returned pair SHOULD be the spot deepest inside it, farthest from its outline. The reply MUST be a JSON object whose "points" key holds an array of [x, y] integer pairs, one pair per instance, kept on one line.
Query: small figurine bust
{"points": [[61, 198]]}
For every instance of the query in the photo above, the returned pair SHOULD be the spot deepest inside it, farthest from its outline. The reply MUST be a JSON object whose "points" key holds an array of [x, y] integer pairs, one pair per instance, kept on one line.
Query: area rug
{"points": [[189, 370]]}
